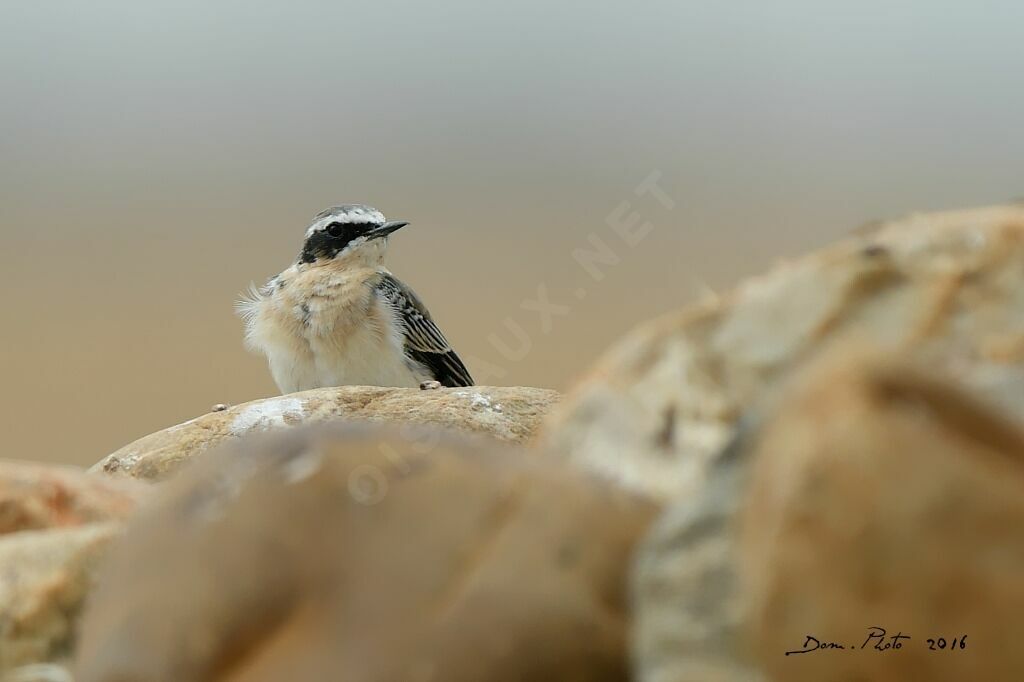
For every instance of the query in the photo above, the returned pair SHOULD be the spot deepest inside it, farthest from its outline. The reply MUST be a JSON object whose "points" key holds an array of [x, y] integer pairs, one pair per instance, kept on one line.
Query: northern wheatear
{"points": [[337, 316]]}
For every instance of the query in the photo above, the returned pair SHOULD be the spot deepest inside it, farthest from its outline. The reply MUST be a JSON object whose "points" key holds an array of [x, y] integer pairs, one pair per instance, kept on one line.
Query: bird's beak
{"points": [[385, 229]]}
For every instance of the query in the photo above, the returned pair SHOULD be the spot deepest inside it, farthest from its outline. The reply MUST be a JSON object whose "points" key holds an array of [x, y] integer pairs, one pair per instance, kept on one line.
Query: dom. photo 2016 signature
{"points": [[878, 639]]}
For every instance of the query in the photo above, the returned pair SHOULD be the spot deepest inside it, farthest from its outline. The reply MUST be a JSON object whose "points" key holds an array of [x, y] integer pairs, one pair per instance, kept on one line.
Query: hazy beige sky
{"points": [[158, 157]]}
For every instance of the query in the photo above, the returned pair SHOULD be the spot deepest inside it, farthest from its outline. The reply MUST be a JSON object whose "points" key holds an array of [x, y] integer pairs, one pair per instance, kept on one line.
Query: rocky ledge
{"points": [[507, 414]]}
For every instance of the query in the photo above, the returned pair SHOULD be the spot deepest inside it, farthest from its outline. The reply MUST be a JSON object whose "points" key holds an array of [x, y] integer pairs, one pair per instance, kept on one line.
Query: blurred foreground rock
{"points": [[38, 496], [39, 672], [53, 527], [947, 287], [872, 496], [359, 553], [44, 578], [509, 414]]}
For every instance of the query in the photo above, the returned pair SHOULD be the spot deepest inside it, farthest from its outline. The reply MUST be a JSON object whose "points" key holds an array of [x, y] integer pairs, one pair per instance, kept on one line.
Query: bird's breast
{"points": [[330, 329]]}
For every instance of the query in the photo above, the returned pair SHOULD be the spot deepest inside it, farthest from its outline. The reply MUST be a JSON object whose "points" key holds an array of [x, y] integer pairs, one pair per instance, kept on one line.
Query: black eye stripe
{"points": [[328, 242], [351, 230], [339, 230]]}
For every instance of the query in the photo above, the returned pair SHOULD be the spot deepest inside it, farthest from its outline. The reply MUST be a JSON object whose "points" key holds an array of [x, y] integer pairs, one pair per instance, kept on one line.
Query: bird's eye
{"points": [[335, 229]]}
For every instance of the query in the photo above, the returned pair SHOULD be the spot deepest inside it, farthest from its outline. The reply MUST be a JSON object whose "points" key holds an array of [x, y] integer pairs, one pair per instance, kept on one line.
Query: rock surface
{"points": [[872, 495], [55, 522], [39, 672], [948, 287], [368, 553], [881, 497], [39, 496], [44, 578], [508, 414], [688, 612]]}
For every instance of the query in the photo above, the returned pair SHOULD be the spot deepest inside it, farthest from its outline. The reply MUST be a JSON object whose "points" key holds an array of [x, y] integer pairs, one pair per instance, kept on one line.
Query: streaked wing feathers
{"points": [[424, 342]]}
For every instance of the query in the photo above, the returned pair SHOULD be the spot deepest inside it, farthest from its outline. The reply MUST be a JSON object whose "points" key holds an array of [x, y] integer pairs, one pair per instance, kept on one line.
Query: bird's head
{"points": [[348, 230]]}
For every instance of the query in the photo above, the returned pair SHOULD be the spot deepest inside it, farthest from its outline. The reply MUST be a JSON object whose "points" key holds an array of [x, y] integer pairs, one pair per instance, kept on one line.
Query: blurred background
{"points": [[158, 157]]}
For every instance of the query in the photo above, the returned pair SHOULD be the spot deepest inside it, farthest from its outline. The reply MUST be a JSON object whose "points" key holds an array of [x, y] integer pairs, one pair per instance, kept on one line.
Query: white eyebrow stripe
{"points": [[354, 215]]}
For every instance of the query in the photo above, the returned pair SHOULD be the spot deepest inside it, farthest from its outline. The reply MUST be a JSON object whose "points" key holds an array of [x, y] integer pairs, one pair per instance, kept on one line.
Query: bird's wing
{"points": [[424, 342]]}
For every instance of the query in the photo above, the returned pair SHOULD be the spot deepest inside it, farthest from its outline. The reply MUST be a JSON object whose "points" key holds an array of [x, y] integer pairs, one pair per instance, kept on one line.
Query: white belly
{"points": [[366, 356], [365, 360]]}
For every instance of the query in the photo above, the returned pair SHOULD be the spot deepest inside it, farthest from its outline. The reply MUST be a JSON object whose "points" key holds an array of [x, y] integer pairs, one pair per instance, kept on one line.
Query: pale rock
{"points": [[44, 578], [882, 496], [946, 287], [509, 414], [38, 496], [366, 553], [868, 493]]}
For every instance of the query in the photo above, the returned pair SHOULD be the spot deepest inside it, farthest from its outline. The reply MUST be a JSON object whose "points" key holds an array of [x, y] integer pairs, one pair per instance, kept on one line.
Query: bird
{"points": [[337, 316]]}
